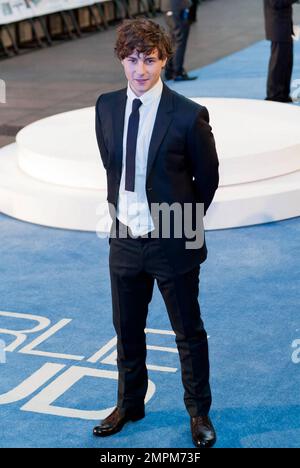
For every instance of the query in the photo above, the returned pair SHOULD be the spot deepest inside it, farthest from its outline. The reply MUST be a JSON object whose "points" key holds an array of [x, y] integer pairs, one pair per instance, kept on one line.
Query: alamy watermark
{"points": [[176, 220], [2, 352], [296, 352], [295, 95], [2, 92]]}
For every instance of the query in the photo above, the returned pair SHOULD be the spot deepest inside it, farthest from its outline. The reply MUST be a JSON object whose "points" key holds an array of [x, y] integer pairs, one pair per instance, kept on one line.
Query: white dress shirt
{"points": [[132, 208]]}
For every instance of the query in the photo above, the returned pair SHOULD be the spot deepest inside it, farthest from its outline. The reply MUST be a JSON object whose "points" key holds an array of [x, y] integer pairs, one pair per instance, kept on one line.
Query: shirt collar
{"points": [[150, 96]]}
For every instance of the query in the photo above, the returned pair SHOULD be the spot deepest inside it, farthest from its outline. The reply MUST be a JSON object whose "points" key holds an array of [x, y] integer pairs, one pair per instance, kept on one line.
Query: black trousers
{"points": [[179, 30], [134, 266], [193, 10], [280, 71]]}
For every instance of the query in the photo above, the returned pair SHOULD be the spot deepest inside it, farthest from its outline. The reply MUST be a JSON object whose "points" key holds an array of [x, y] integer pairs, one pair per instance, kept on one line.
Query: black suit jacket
{"points": [[278, 20], [182, 160]]}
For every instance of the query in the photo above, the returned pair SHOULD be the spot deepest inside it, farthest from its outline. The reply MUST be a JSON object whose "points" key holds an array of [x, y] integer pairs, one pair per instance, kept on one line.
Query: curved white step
{"points": [[62, 149], [30, 200], [255, 140], [53, 176], [259, 202]]}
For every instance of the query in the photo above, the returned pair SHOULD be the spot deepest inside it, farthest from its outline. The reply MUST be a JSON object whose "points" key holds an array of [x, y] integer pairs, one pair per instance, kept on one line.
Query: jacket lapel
{"points": [[118, 127], [163, 119]]}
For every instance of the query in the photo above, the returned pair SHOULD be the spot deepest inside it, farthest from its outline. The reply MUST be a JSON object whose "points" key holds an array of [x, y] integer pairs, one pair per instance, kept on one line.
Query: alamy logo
{"points": [[176, 220], [2, 92], [295, 95], [2, 352], [296, 352]]}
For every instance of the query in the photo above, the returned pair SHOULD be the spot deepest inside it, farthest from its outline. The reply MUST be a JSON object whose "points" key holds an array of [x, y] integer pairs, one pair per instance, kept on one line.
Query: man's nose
{"points": [[140, 67]]}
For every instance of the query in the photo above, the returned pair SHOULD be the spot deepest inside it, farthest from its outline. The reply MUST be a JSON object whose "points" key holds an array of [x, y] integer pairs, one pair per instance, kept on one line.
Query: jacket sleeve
{"points": [[99, 135], [280, 4], [203, 158]]}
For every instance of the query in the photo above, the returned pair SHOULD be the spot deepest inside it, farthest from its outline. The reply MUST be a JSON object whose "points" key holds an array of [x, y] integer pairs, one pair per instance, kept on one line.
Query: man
{"points": [[157, 148], [177, 19], [279, 30]]}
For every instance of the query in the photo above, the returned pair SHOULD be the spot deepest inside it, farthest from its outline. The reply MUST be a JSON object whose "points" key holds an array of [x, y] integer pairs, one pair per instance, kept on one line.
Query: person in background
{"points": [[177, 19], [279, 30], [193, 11]]}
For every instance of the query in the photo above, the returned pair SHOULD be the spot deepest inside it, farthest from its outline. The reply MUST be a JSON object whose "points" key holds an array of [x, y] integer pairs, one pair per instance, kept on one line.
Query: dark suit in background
{"points": [[279, 29], [193, 11], [179, 26], [182, 167]]}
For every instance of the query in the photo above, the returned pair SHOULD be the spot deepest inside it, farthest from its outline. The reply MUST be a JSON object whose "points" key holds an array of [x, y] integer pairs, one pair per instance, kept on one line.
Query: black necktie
{"points": [[132, 132]]}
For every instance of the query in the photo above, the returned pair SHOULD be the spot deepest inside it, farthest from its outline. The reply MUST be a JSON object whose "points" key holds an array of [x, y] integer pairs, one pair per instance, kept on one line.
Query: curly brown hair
{"points": [[144, 36]]}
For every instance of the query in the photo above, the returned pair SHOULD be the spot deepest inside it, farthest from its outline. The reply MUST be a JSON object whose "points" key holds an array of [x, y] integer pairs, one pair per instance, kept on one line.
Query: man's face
{"points": [[143, 71]]}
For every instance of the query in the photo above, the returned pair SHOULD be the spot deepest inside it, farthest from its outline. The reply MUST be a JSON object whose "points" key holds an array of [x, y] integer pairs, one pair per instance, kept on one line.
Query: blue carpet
{"points": [[250, 295]]}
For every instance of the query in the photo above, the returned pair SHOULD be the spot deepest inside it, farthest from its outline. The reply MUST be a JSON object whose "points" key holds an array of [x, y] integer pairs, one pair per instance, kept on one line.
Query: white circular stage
{"points": [[53, 174]]}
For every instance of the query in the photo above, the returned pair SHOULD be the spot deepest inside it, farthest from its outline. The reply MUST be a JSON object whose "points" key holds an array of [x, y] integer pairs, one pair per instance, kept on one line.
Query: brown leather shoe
{"points": [[115, 421], [203, 432]]}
